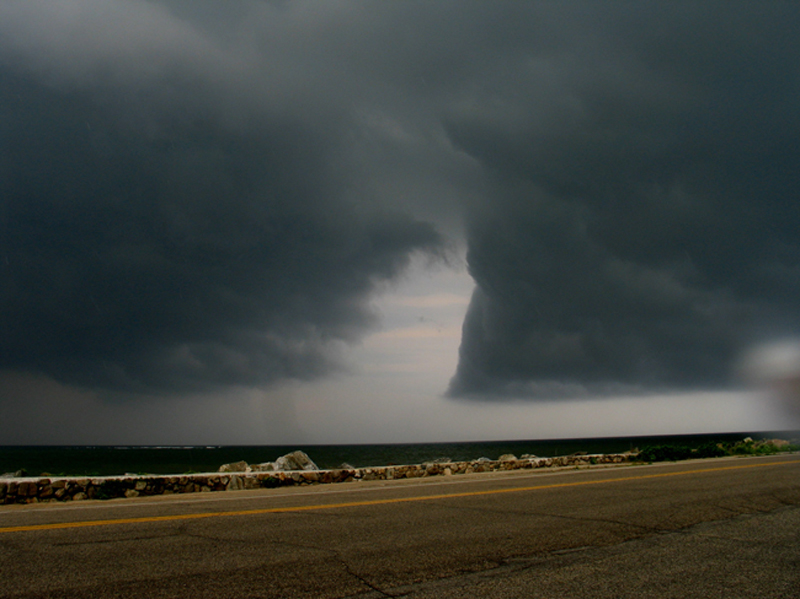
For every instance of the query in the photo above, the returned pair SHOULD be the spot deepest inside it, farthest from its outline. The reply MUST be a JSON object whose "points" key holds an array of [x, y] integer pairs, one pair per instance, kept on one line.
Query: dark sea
{"points": [[118, 460]]}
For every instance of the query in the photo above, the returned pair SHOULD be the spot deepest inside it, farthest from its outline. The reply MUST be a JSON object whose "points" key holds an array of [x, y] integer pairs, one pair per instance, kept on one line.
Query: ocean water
{"points": [[116, 460]]}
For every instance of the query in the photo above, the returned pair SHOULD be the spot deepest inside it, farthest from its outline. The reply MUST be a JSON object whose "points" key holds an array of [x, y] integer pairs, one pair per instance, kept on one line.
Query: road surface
{"points": [[708, 528]]}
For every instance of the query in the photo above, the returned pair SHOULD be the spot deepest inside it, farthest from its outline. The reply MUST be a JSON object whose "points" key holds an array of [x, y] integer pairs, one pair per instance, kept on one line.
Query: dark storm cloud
{"points": [[200, 194], [644, 220], [172, 218]]}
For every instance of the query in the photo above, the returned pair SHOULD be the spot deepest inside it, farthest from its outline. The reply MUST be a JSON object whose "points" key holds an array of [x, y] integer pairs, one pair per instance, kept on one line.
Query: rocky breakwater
{"points": [[292, 469]]}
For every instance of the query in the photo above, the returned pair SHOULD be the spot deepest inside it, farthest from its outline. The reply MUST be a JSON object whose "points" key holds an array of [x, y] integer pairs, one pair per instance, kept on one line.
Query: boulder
{"points": [[235, 467], [27, 489], [297, 460], [263, 467], [17, 474], [507, 457], [235, 484], [777, 442]]}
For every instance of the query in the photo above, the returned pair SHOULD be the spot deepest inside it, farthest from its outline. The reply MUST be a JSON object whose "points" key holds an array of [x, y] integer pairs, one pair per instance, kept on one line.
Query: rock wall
{"points": [[33, 489]]}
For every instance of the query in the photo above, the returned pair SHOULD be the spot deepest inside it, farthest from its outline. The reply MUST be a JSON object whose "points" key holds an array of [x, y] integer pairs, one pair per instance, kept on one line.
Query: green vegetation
{"points": [[768, 447], [673, 453]]}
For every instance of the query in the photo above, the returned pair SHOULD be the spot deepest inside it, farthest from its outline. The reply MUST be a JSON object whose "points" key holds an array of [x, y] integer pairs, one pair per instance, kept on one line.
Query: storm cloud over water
{"points": [[199, 195], [644, 221], [173, 218]]}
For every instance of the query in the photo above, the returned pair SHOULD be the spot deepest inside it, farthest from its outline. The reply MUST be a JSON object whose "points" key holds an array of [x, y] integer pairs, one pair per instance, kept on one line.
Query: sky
{"points": [[274, 222]]}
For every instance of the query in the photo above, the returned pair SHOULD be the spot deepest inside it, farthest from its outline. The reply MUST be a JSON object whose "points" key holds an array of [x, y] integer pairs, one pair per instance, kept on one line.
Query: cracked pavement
{"points": [[750, 555], [701, 529]]}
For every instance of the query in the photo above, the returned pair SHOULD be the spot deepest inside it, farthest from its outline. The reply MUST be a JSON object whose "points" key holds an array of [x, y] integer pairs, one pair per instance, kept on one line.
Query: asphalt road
{"points": [[713, 528]]}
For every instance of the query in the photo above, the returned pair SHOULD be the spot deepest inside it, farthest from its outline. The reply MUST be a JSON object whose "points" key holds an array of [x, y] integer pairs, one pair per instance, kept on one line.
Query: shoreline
{"points": [[97, 461], [38, 489], [115, 460], [297, 468]]}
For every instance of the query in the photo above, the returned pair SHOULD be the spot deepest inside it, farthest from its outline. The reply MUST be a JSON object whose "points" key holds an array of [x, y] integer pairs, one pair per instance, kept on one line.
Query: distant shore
{"points": [[25, 489], [36, 490], [93, 461]]}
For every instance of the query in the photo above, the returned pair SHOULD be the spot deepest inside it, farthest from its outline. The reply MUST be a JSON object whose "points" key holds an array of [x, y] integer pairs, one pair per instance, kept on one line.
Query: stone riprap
{"points": [[42, 489], [297, 460]]}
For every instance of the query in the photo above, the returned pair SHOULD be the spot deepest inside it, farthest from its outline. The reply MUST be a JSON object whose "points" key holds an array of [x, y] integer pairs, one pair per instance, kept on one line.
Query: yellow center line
{"points": [[329, 506]]}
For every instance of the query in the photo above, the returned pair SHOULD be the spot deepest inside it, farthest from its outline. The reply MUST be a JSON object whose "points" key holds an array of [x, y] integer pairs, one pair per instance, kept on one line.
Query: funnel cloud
{"points": [[199, 199]]}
